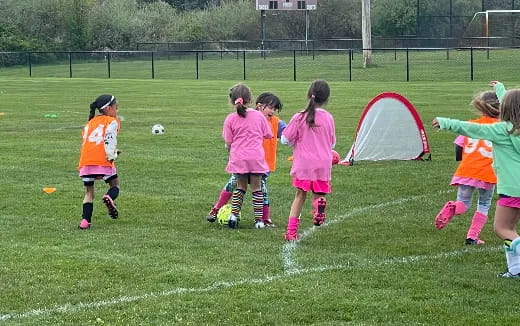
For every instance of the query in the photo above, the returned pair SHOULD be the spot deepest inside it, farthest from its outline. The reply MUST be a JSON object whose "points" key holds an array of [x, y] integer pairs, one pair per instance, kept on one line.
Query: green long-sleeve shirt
{"points": [[506, 150], [500, 90]]}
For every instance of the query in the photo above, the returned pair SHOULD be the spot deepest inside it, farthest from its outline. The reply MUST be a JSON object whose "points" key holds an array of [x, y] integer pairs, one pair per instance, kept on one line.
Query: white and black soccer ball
{"points": [[158, 129]]}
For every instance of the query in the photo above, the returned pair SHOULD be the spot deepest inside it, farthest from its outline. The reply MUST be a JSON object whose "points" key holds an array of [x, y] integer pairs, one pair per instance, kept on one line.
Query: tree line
{"points": [[52, 25]]}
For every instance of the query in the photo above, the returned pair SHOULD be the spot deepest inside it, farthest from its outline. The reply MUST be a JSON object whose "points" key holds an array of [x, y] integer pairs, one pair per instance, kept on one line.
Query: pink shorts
{"points": [[96, 172], [513, 202], [318, 186]]}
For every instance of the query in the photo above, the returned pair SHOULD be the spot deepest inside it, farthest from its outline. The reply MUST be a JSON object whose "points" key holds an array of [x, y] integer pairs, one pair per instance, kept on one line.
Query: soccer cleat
{"points": [[233, 221], [268, 223], [445, 215], [319, 212], [477, 242], [507, 274], [212, 215], [111, 206], [259, 224], [84, 224], [291, 235]]}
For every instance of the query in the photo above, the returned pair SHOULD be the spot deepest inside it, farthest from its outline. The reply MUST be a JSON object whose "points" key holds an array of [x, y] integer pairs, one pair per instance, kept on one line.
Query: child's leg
{"points": [[319, 203], [258, 199], [224, 197], [266, 214], [88, 206], [452, 208], [480, 216], [294, 216], [111, 195], [236, 200], [506, 219]]}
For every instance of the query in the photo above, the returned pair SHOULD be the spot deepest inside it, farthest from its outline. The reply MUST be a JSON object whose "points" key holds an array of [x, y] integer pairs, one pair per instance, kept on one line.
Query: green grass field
{"points": [[378, 260]]}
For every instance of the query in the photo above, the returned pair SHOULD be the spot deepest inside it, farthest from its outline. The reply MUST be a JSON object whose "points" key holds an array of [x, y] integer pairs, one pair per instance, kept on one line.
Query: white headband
{"points": [[108, 103]]}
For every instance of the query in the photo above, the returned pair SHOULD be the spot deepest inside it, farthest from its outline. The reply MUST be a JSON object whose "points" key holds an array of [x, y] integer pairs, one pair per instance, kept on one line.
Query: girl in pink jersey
{"points": [[312, 133], [243, 133]]}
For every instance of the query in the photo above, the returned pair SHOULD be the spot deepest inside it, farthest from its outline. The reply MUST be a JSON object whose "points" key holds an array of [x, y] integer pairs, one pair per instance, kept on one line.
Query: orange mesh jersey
{"points": [[93, 147], [477, 157], [270, 145]]}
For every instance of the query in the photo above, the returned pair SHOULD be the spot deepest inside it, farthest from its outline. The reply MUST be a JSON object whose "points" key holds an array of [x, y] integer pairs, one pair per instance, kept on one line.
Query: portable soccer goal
{"points": [[389, 129], [493, 28]]}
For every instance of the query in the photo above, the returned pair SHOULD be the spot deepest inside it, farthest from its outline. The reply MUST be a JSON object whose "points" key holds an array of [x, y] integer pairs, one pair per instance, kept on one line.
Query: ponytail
{"points": [[241, 110], [318, 94], [310, 113], [92, 111], [240, 96]]}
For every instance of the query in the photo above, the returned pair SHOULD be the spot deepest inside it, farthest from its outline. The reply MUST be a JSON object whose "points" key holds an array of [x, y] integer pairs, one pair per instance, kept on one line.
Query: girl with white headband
{"points": [[98, 153]]}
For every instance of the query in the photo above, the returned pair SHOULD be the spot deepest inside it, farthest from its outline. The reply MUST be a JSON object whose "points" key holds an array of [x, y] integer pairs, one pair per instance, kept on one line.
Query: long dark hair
{"points": [[510, 110], [240, 97], [318, 94], [101, 102]]}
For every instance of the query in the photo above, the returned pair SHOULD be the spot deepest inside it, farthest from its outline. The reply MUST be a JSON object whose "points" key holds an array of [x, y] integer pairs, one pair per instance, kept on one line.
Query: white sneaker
{"points": [[507, 274], [259, 224]]}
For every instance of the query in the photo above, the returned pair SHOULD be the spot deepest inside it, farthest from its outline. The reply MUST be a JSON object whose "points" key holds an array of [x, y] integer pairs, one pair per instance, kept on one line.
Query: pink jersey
{"points": [[312, 153], [245, 136]]}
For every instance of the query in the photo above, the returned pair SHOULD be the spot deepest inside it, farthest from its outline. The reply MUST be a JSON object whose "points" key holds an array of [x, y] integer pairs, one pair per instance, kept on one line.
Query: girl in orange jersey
{"points": [[475, 171], [98, 153]]}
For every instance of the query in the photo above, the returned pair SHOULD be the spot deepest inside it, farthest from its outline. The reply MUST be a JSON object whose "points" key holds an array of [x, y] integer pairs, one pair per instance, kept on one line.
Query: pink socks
{"points": [[223, 198], [477, 223], [292, 229]]}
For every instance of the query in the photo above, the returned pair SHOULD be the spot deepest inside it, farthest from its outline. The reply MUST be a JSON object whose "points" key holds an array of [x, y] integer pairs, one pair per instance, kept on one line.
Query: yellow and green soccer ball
{"points": [[223, 214]]}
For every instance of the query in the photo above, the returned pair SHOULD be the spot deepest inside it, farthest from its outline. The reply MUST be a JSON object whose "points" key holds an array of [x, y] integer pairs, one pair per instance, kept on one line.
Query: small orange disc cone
{"points": [[49, 190]]}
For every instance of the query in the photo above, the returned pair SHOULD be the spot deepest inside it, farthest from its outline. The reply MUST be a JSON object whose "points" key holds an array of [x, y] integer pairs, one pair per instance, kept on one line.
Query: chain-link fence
{"points": [[388, 64]]}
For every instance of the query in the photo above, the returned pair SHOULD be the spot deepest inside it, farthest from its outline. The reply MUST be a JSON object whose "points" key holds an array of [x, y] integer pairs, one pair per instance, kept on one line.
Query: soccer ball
{"points": [[158, 129], [335, 158], [223, 214]]}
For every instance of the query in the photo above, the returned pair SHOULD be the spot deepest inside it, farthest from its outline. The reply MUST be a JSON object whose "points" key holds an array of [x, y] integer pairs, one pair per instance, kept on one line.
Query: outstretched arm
{"points": [[495, 132]]}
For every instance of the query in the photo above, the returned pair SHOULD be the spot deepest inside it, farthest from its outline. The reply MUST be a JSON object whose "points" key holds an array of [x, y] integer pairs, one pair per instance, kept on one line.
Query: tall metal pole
{"points": [[306, 30], [262, 32]]}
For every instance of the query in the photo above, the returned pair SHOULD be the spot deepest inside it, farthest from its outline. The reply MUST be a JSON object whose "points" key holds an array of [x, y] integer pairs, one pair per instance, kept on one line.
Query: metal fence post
{"points": [[153, 67], [294, 65], [70, 64], [244, 63], [108, 63], [471, 63], [29, 63], [407, 66], [197, 63], [350, 64]]}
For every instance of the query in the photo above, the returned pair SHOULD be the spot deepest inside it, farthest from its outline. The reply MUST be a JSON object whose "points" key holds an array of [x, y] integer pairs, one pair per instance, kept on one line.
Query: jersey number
{"points": [[474, 144], [96, 136]]}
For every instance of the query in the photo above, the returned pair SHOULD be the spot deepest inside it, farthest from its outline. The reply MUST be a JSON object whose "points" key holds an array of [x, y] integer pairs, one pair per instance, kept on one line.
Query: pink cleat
{"points": [[445, 215], [319, 211], [291, 236], [111, 206], [84, 224]]}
